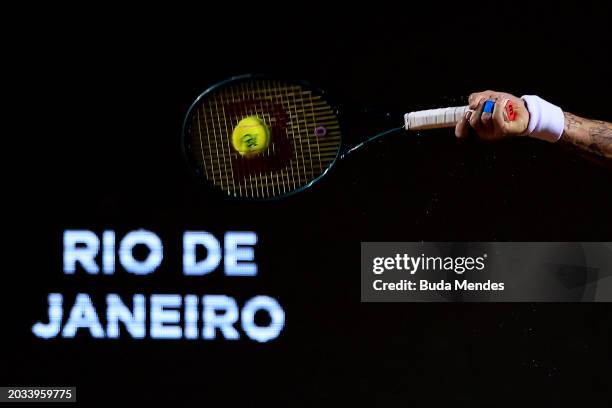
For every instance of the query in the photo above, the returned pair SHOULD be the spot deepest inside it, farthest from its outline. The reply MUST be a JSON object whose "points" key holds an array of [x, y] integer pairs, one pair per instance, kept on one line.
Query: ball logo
{"points": [[250, 140]]}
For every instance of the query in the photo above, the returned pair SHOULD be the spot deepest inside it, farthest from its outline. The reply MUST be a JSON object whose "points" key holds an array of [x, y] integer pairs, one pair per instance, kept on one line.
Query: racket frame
{"points": [[197, 172]]}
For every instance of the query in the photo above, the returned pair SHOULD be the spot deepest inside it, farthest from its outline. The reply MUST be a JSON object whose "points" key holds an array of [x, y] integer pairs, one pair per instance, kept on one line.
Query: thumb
{"points": [[504, 108]]}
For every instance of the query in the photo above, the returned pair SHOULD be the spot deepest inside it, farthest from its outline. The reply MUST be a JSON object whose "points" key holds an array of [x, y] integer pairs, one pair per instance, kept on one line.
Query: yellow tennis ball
{"points": [[251, 136]]}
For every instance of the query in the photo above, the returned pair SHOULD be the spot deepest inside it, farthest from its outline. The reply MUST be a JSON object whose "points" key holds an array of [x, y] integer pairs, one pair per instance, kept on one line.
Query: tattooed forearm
{"points": [[572, 121], [590, 136]]}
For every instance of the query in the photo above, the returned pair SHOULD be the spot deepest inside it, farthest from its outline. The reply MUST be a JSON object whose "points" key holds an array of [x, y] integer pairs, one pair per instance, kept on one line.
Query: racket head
{"points": [[258, 138]]}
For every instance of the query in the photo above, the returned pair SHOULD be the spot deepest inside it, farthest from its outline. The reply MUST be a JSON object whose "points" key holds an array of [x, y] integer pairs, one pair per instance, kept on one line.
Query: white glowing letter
{"points": [[83, 315], [117, 311], [191, 239], [191, 317], [277, 318], [165, 317], [84, 254], [154, 258], [108, 252], [52, 329], [225, 321]]}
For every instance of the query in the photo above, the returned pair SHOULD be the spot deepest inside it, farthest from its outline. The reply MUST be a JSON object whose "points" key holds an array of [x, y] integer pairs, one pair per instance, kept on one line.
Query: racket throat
{"points": [[371, 139]]}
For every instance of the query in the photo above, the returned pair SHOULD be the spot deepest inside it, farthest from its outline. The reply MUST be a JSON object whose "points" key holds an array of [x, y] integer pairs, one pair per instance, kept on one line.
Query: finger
{"points": [[486, 116], [475, 121], [476, 96], [462, 128], [499, 114]]}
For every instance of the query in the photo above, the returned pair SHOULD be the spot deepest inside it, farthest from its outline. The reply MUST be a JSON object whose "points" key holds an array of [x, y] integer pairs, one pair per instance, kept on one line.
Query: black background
{"points": [[102, 95]]}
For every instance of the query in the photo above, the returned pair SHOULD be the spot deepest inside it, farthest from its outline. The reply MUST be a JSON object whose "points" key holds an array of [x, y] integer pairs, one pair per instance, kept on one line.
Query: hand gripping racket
{"points": [[259, 138]]}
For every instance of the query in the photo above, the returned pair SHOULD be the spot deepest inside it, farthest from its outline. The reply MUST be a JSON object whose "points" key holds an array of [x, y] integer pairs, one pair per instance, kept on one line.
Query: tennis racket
{"points": [[259, 138]]}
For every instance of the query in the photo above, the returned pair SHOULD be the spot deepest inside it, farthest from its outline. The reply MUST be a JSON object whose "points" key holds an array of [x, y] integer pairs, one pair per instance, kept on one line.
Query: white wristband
{"points": [[546, 121]]}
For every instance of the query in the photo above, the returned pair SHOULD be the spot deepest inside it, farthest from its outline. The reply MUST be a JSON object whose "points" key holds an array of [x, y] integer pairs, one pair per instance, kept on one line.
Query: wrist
{"points": [[546, 121]]}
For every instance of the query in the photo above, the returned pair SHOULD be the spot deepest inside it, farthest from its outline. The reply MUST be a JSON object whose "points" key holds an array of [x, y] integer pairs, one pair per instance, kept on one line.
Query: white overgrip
{"points": [[434, 118]]}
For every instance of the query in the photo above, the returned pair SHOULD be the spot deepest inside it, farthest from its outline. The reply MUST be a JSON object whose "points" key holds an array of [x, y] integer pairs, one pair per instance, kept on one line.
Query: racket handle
{"points": [[448, 117]]}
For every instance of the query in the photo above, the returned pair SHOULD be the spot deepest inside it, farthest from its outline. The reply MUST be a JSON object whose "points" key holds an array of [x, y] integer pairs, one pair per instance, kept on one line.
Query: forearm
{"points": [[593, 137]]}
